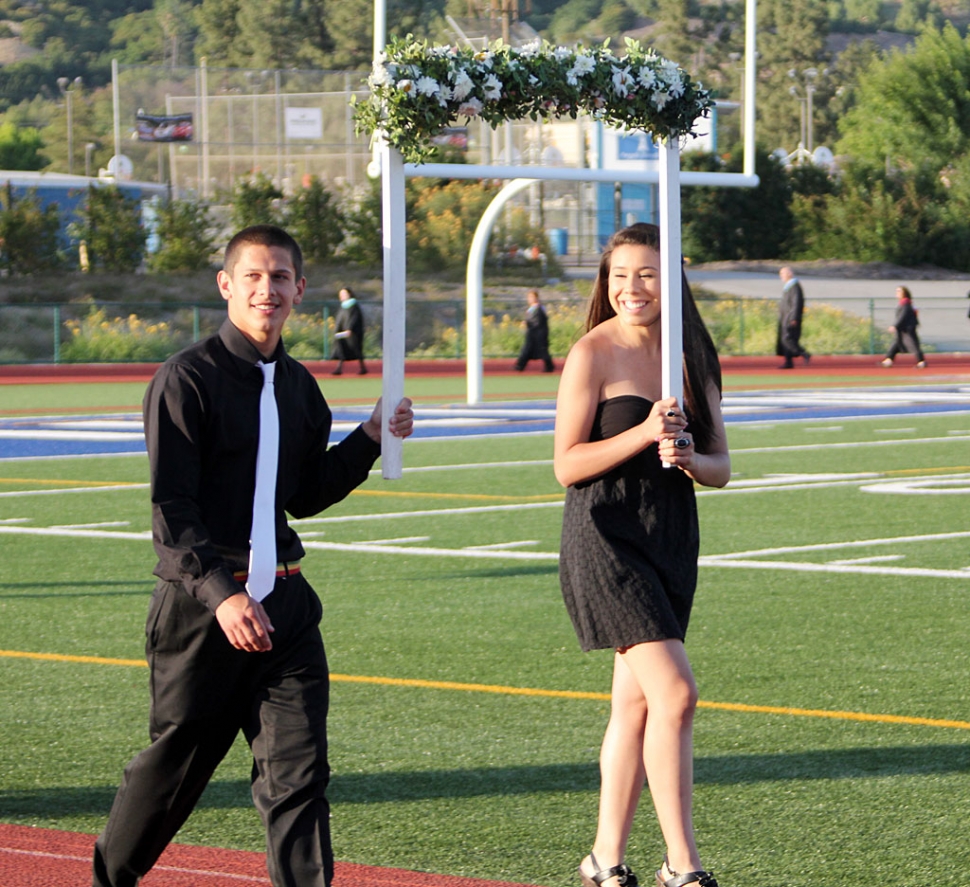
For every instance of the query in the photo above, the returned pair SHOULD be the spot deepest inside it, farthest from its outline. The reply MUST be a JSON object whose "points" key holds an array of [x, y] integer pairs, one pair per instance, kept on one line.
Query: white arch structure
{"points": [[667, 176]]}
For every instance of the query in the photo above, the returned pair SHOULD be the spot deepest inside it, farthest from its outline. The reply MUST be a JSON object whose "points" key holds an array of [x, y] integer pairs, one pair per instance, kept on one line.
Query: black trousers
{"points": [[905, 341], [204, 692], [534, 348]]}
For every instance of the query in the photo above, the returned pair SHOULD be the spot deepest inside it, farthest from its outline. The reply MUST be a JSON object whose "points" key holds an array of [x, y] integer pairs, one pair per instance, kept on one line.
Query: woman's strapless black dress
{"points": [[628, 555]]}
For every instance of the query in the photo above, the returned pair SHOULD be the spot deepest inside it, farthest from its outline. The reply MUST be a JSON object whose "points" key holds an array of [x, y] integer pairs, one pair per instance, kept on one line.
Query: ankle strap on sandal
{"points": [[622, 872], [702, 879]]}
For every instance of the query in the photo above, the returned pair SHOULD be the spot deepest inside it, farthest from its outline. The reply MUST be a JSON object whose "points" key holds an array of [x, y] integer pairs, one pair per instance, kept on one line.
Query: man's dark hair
{"points": [[263, 235]]}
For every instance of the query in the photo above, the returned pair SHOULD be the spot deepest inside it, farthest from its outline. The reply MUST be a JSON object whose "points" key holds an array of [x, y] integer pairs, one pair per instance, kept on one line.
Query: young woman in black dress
{"points": [[628, 563]]}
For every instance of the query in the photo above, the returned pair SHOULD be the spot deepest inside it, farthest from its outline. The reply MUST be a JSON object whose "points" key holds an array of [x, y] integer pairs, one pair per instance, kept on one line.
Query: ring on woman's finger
{"points": [[682, 443], [671, 414]]}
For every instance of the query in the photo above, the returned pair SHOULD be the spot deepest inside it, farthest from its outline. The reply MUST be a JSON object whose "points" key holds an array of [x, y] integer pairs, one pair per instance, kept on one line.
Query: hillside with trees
{"points": [[888, 84]]}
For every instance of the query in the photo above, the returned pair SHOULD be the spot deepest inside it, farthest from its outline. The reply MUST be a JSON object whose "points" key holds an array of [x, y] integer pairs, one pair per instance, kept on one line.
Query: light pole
{"points": [[806, 109], [88, 148], [67, 86]]}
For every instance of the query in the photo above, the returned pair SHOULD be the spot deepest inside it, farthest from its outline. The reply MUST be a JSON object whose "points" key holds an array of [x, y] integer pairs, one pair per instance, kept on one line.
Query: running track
{"points": [[35, 857]]}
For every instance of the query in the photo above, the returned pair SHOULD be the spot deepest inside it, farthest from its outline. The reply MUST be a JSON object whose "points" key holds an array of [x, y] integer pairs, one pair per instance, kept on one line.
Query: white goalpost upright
{"points": [[393, 172]]}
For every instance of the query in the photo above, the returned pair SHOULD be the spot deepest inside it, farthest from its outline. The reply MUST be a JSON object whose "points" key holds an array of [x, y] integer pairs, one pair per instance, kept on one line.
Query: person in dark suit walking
{"points": [[790, 310], [536, 345], [228, 653], [349, 332]]}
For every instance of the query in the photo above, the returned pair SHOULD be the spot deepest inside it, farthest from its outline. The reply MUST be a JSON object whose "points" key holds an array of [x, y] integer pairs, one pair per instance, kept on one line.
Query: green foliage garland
{"points": [[417, 90]]}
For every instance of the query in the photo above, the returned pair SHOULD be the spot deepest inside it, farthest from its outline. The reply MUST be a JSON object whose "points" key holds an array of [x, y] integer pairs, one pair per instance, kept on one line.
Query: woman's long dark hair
{"points": [[701, 365]]}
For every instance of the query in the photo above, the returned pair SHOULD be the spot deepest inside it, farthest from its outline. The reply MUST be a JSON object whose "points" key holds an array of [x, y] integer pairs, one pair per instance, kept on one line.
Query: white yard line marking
{"points": [[498, 546], [799, 567], [429, 512], [436, 552], [849, 561], [107, 523], [14, 494], [400, 540], [843, 445], [83, 534], [471, 466], [833, 546]]}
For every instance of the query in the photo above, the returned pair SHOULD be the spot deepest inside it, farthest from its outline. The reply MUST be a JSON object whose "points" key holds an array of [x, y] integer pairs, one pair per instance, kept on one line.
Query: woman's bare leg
{"points": [[661, 670]]}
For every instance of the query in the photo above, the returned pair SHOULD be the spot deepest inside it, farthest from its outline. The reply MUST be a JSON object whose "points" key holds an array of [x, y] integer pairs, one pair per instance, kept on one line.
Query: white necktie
{"points": [[262, 536]]}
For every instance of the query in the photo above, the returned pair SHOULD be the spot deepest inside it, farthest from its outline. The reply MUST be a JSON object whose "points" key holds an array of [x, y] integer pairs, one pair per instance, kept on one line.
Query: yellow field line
{"points": [[53, 481], [60, 657], [556, 694]]}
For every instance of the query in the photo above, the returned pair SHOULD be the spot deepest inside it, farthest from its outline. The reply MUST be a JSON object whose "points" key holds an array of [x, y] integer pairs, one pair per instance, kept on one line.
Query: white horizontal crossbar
{"points": [[573, 174]]}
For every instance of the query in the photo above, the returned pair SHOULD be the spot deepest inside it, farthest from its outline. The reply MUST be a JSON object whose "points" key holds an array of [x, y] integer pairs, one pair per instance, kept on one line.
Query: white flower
{"points": [[584, 64], [647, 77], [622, 81], [379, 75], [676, 87], [533, 80], [462, 85], [484, 59], [405, 85], [530, 49], [562, 52], [470, 108], [492, 88], [660, 98], [427, 85], [670, 69]]}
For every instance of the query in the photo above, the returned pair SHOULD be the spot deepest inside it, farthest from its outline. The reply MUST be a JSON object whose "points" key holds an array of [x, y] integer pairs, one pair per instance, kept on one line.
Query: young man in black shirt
{"points": [[224, 658]]}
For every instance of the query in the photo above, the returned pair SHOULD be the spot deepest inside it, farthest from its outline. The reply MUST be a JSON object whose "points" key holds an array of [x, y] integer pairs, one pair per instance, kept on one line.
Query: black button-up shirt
{"points": [[201, 415]]}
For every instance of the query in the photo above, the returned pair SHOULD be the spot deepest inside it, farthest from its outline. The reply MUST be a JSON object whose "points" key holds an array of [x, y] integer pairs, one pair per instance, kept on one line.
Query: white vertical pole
{"points": [[474, 275], [116, 106], [204, 81], [395, 277], [671, 329], [750, 69], [392, 390]]}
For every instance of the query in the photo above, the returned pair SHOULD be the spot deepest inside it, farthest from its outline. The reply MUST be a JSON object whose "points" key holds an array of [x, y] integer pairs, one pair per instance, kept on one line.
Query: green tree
{"points": [[313, 218], [20, 148], [791, 38], [736, 223], [914, 15], [442, 221], [29, 234], [570, 20], [186, 237], [110, 225], [256, 202], [363, 227], [913, 107], [137, 39], [875, 218], [675, 39], [218, 30]]}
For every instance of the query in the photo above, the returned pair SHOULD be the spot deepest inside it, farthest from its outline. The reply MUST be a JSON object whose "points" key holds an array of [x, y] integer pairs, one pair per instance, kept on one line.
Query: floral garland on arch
{"points": [[417, 90]]}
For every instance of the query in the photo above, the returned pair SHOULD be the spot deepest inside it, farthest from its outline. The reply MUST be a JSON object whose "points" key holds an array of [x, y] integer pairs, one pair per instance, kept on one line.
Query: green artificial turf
{"points": [[487, 783]]}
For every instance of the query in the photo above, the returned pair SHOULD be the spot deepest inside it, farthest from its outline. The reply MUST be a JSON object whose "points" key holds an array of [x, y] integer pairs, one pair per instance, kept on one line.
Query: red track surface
{"points": [[35, 857], [946, 365]]}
